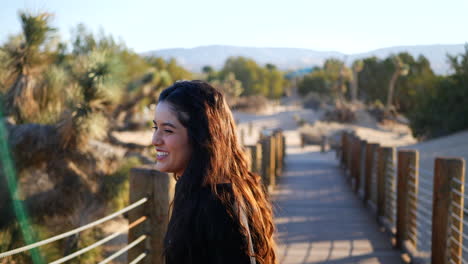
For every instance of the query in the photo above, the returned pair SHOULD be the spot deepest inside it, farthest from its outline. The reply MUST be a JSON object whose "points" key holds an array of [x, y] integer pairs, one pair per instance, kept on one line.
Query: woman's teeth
{"points": [[162, 154]]}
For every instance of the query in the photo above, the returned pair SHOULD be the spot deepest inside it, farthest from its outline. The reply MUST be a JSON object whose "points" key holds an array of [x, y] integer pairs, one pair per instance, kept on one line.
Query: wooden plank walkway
{"points": [[319, 219]]}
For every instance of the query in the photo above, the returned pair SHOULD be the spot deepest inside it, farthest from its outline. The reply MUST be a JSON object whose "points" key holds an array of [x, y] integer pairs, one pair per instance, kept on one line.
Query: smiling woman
{"points": [[221, 213]]}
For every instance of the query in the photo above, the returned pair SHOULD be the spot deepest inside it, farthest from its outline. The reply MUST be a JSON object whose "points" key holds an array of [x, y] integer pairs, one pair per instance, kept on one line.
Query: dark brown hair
{"points": [[217, 156]]}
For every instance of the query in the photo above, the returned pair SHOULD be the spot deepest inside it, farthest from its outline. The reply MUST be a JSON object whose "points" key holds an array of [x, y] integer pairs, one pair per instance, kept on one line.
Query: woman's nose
{"points": [[156, 139]]}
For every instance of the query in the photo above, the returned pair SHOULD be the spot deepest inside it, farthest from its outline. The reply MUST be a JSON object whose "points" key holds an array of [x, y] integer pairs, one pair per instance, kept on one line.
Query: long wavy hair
{"points": [[217, 157]]}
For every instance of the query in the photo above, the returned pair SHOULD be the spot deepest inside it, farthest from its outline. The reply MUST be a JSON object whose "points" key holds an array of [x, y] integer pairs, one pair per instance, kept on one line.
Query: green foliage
{"points": [[443, 109], [76, 92], [315, 82], [376, 75], [330, 80], [117, 184], [25, 51], [51, 96], [374, 78], [256, 80], [230, 87], [176, 71]]}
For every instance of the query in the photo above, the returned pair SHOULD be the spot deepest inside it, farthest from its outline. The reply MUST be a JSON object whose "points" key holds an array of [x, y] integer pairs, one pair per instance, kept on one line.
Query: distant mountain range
{"points": [[294, 58]]}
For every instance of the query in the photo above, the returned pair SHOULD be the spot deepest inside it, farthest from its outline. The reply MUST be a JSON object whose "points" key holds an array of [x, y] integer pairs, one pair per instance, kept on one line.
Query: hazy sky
{"points": [[349, 26]]}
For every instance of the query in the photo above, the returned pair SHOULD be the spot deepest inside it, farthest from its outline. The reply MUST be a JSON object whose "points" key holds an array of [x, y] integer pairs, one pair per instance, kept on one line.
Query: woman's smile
{"points": [[161, 155]]}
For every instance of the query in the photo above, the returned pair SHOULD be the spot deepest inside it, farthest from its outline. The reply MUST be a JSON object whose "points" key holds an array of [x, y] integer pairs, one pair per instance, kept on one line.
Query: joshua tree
{"points": [[401, 69], [357, 67], [24, 59]]}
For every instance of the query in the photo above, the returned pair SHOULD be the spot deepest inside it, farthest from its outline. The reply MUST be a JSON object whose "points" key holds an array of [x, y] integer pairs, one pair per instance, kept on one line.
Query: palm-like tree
{"points": [[401, 69], [357, 67], [24, 58]]}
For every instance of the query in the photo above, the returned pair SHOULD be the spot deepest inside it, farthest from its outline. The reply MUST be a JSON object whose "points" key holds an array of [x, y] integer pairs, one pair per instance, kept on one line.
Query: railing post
{"points": [[266, 163], [278, 150], [385, 154], [283, 149], [362, 166], [356, 146], [248, 154], [389, 218], [159, 188], [255, 157], [344, 149], [272, 161], [406, 159], [324, 146], [449, 178], [349, 146], [370, 151], [242, 137]]}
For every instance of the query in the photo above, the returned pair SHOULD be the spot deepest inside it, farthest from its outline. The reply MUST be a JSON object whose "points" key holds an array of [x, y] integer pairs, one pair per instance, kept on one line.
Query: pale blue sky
{"points": [[349, 26]]}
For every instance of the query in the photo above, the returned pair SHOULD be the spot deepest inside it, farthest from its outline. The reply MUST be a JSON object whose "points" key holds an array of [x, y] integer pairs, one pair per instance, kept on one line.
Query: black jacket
{"points": [[214, 237]]}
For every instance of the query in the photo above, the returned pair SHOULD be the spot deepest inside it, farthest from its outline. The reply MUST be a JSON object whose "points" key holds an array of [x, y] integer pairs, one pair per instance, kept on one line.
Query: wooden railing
{"points": [[151, 193], [422, 211]]}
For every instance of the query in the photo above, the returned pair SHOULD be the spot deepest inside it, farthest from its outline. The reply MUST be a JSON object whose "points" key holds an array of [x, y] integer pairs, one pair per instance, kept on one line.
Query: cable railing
{"points": [[76, 231], [423, 210]]}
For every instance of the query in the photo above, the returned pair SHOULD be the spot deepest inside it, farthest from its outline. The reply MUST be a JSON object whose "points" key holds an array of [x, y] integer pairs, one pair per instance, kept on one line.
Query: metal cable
{"points": [[426, 202], [424, 221], [413, 195], [100, 242], [425, 192], [459, 194], [458, 232], [458, 206], [74, 231], [457, 217], [425, 211], [423, 181], [457, 181], [137, 259], [123, 250], [425, 171], [458, 244]]}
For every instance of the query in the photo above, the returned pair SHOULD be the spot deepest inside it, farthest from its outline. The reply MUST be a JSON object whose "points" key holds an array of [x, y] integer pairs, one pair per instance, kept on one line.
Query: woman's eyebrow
{"points": [[165, 124]]}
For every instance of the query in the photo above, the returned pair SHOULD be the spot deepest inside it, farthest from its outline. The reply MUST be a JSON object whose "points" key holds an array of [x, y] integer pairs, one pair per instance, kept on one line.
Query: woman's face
{"points": [[170, 138]]}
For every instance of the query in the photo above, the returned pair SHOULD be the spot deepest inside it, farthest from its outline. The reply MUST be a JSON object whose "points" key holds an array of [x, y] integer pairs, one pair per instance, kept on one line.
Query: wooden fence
{"points": [[422, 211]]}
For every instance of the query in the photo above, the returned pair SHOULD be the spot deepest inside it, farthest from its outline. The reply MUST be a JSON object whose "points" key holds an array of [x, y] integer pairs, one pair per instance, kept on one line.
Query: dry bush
{"points": [[342, 113], [316, 101], [251, 104]]}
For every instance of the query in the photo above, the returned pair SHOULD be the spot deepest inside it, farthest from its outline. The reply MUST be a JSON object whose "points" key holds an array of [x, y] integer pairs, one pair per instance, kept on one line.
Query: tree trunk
{"points": [[354, 86], [391, 88]]}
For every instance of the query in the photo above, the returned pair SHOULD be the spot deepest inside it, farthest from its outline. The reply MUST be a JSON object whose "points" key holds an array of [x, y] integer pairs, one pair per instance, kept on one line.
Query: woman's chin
{"points": [[161, 168]]}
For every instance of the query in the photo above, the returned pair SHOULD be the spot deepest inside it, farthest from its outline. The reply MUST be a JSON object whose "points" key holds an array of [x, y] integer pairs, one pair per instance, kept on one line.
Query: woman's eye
{"points": [[168, 131], [155, 128]]}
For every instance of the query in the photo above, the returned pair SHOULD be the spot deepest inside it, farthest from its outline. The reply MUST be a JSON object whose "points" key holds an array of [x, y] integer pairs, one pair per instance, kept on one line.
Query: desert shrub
{"points": [[255, 103], [342, 113], [316, 101]]}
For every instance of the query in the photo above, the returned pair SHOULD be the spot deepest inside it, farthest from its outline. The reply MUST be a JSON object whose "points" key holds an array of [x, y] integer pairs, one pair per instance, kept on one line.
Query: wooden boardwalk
{"points": [[319, 219]]}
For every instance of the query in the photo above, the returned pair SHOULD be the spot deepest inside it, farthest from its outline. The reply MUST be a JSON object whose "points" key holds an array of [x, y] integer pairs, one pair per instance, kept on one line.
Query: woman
{"points": [[220, 210]]}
